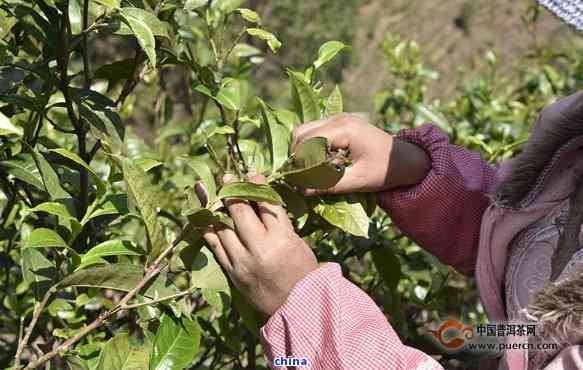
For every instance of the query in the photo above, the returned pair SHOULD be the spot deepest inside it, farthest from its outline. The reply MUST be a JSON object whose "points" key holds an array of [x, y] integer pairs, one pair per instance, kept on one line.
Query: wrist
{"points": [[408, 165]]}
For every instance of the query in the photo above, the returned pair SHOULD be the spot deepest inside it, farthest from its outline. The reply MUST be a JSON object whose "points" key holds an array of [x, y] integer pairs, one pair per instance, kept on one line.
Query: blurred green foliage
{"points": [[88, 205]]}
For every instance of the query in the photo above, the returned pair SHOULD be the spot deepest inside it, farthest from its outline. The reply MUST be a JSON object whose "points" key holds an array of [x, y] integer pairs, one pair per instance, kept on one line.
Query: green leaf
{"points": [[194, 4], [56, 209], [252, 318], [206, 273], [109, 4], [334, 103], [272, 41], [176, 343], [227, 96], [147, 164], [45, 238], [112, 248], [344, 213], [157, 26], [249, 15], [106, 125], [203, 172], [294, 203], [37, 271], [146, 196], [250, 191], [112, 204], [75, 158], [118, 276], [50, 178], [389, 267], [143, 34], [278, 137], [305, 99], [24, 168], [309, 166], [119, 354], [327, 52], [7, 128]]}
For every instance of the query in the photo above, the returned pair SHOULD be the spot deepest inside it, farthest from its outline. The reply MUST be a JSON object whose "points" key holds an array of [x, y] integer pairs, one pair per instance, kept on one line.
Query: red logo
{"points": [[453, 334]]}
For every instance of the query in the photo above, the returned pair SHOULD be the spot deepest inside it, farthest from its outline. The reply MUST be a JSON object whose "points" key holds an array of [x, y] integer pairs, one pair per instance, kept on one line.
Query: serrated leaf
{"points": [[37, 271], [206, 273], [119, 354], [272, 41], [305, 99], [249, 15], [143, 34], [334, 103], [7, 128], [176, 343], [145, 195], [344, 213], [327, 52], [278, 137], [250, 191]]}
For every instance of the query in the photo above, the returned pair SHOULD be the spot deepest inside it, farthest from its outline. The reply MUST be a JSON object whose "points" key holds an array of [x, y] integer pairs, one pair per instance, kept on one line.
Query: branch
{"points": [[173, 296], [568, 243], [152, 272], [86, 70], [36, 315]]}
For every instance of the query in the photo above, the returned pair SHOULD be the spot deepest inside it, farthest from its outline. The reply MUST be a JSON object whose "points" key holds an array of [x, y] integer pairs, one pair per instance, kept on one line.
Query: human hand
{"points": [[264, 257], [379, 161]]}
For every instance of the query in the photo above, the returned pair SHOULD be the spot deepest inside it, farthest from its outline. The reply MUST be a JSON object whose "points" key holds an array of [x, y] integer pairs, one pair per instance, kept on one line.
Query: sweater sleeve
{"points": [[329, 323], [443, 213]]}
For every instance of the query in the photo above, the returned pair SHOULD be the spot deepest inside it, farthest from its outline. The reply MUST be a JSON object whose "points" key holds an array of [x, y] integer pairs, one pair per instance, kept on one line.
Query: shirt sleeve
{"points": [[330, 323], [443, 213]]}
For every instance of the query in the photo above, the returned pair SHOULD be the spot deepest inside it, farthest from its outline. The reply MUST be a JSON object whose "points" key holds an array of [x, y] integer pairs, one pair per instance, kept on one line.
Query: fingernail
{"points": [[228, 177]]}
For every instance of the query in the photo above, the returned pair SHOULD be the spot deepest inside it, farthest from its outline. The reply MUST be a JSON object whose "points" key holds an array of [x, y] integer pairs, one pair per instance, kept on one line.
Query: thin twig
{"points": [[152, 272], [173, 296], [36, 315]]}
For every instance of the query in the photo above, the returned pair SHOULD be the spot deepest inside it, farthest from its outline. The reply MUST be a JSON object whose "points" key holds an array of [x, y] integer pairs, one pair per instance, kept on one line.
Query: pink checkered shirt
{"points": [[334, 324]]}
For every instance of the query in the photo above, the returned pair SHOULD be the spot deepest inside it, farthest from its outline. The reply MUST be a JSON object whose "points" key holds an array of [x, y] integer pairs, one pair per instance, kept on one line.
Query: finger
{"points": [[232, 245], [247, 223], [272, 215], [334, 129], [212, 239]]}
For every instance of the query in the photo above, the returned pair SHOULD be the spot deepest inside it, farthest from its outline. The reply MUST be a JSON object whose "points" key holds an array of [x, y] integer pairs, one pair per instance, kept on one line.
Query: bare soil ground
{"points": [[451, 33]]}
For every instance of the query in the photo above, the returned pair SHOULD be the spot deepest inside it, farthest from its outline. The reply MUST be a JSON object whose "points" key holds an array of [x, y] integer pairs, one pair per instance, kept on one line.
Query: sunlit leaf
{"points": [[7, 128], [120, 354], [250, 191], [206, 272], [327, 52], [176, 343], [334, 103], [278, 137], [305, 99], [75, 158], [24, 168], [202, 170], [145, 194], [249, 15], [143, 34], [272, 41], [344, 213]]}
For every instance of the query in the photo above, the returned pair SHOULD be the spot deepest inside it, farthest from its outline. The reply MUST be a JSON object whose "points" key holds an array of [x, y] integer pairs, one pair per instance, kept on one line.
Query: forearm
{"points": [[332, 324]]}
